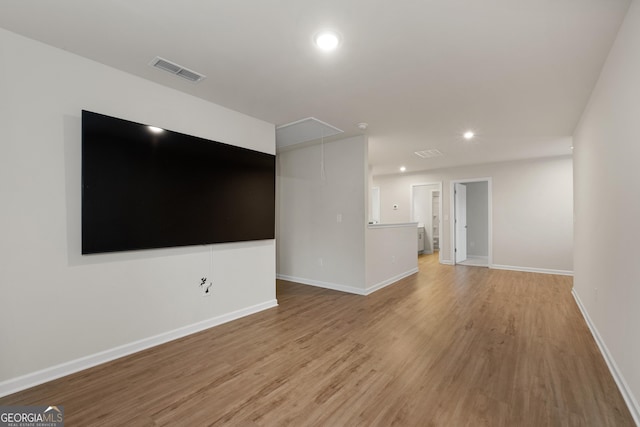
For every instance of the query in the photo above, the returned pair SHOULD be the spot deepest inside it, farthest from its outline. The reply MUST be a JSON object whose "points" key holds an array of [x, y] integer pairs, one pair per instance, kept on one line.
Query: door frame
{"points": [[420, 184], [452, 211], [460, 222]]}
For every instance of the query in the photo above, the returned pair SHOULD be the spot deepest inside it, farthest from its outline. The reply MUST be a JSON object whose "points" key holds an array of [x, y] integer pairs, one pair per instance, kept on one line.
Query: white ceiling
{"points": [[420, 72]]}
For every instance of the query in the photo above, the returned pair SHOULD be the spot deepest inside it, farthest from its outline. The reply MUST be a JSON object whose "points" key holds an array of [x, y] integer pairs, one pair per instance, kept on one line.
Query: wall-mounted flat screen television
{"points": [[145, 187]]}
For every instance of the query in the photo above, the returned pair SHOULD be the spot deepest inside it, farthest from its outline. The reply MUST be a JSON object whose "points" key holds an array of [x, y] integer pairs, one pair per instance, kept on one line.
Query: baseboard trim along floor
{"points": [[532, 269], [39, 377], [347, 288], [321, 284], [630, 400]]}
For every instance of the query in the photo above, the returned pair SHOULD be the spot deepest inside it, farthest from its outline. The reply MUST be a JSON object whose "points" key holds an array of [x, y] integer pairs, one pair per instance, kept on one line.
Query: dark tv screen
{"points": [[145, 187]]}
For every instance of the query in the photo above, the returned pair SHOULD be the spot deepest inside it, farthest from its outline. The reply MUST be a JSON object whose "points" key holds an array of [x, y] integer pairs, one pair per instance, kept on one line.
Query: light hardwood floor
{"points": [[449, 346]]}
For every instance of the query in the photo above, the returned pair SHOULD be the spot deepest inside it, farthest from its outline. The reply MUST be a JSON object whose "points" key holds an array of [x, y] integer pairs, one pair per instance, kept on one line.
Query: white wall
{"points": [[477, 218], [607, 205], [391, 254], [58, 306], [314, 246], [532, 209]]}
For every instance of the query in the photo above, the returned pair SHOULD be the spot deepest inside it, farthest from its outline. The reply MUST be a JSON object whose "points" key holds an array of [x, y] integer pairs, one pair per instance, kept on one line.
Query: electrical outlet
{"points": [[320, 262], [393, 259]]}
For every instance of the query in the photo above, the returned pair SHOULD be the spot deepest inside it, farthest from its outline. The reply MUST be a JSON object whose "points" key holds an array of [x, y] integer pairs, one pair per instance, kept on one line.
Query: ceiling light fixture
{"points": [[468, 135], [402, 169], [327, 40], [155, 129], [363, 126]]}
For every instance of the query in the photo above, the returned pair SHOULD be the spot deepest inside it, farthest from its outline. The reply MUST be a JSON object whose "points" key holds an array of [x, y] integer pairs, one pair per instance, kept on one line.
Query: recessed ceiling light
{"points": [[327, 40], [155, 129], [468, 135], [402, 169]]}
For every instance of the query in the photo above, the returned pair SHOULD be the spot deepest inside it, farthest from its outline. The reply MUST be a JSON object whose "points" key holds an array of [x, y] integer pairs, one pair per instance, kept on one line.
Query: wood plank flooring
{"points": [[449, 346]]}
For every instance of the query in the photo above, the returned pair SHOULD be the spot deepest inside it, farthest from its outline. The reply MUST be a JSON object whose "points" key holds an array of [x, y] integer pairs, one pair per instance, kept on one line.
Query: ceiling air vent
{"points": [[176, 69], [427, 154]]}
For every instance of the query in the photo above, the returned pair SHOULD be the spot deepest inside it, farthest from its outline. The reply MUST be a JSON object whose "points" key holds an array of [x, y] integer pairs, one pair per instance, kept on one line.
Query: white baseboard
{"points": [[446, 262], [346, 288], [321, 284], [532, 270], [39, 377], [390, 281], [626, 392], [474, 262]]}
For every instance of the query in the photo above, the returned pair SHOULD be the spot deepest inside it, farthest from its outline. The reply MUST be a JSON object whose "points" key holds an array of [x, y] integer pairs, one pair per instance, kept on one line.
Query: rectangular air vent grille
{"points": [[427, 154], [176, 69]]}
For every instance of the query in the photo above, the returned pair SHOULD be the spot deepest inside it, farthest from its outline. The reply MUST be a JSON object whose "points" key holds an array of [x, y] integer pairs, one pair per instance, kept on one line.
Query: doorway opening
{"points": [[374, 206], [426, 210], [471, 225]]}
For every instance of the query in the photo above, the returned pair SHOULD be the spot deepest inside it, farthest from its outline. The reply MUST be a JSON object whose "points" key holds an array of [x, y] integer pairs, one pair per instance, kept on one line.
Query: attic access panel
{"points": [[304, 130]]}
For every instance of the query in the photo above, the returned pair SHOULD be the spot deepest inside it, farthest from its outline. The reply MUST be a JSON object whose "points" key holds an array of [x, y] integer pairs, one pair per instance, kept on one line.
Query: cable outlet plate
{"points": [[205, 287]]}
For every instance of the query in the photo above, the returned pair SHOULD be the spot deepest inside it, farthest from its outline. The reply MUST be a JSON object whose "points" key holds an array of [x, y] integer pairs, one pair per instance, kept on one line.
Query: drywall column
{"points": [[322, 205]]}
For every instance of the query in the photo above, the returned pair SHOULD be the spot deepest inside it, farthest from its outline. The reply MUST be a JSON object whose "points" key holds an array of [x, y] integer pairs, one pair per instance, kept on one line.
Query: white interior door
{"points": [[460, 206]]}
